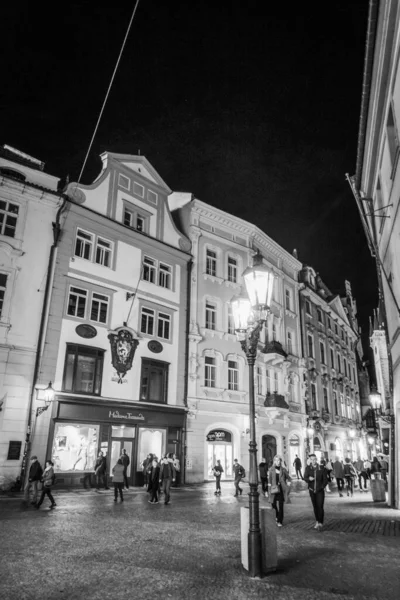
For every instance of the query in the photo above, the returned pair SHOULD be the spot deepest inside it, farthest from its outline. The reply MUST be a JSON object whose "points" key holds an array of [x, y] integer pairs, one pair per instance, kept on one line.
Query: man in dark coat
{"points": [[297, 465], [34, 478], [100, 469], [125, 461], [153, 486], [263, 468], [317, 479], [167, 476], [238, 472]]}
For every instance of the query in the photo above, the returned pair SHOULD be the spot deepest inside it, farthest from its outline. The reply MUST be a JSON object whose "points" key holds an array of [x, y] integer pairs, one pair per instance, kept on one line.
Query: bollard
{"points": [[378, 490], [244, 532], [268, 540]]}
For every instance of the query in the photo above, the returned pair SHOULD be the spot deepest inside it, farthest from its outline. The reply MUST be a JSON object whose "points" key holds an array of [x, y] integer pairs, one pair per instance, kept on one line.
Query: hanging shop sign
{"points": [[123, 347], [219, 435], [86, 331]]}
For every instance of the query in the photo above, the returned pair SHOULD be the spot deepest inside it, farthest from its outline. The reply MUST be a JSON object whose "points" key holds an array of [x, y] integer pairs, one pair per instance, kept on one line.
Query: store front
{"points": [[219, 447], [80, 430]]}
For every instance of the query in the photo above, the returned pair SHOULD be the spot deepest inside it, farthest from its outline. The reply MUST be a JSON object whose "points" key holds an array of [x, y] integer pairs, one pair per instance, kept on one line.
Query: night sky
{"points": [[252, 106]]}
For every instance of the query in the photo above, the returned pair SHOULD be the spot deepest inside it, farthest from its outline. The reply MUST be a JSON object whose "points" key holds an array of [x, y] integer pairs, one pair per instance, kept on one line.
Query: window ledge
{"points": [[290, 313], [232, 284], [213, 333], [212, 392], [234, 394], [213, 278]]}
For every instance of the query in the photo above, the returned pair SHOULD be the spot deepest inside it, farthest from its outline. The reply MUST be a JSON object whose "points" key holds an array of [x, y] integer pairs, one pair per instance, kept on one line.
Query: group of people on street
{"points": [[160, 476], [39, 480]]}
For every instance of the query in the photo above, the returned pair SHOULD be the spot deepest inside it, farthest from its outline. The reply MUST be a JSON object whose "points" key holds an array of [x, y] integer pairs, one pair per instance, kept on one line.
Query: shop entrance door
{"points": [[222, 452], [117, 445]]}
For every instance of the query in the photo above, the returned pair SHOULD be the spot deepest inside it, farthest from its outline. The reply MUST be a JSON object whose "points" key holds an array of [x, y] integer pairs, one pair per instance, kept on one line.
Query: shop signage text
{"points": [[219, 435], [115, 414]]}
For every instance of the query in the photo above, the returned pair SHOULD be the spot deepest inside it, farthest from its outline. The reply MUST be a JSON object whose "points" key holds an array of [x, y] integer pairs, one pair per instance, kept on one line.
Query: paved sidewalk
{"points": [[92, 548]]}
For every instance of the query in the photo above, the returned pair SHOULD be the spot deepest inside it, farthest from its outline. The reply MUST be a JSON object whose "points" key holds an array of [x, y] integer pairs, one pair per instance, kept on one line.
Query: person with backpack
{"points": [[48, 480], [239, 474], [217, 472], [167, 476], [349, 475], [34, 479]]}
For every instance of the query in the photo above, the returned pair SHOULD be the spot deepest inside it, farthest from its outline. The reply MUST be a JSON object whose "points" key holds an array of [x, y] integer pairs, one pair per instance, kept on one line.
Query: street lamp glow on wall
{"points": [[48, 397], [249, 315]]}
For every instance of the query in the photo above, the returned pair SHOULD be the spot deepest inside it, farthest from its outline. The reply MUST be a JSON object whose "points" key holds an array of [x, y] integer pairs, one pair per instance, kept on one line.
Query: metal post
{"points": [[254, 537]]}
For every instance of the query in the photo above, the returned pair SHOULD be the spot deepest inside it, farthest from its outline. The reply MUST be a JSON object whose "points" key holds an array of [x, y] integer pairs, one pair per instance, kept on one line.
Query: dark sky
{"points": [[252, 106]]}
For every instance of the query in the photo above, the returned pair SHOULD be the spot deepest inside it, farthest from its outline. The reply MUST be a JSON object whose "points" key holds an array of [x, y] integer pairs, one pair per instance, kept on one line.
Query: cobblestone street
{"points": [[90, 547]]}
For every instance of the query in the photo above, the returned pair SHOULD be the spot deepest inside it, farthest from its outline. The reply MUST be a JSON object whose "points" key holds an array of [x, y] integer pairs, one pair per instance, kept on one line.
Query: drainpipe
{"points": [[185, 394], [42, 336]]}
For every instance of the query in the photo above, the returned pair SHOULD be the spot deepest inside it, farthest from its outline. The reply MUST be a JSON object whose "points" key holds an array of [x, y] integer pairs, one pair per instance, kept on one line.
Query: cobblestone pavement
{"points": [[91, 548]]}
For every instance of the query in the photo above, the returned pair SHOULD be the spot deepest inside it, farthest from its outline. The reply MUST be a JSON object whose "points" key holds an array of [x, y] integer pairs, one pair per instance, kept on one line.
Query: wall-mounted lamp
{"points": [[48, 397]]}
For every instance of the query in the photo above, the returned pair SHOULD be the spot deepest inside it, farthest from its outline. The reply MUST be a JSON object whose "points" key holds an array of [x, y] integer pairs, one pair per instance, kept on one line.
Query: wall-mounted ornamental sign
{"points": [[219, 435], [123, 346], [86, 331], [155, 346]]}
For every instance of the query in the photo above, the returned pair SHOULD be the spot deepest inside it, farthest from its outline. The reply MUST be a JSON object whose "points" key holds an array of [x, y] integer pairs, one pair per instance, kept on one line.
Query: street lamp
{"points": [[48, 397], [249, 315], [375, 399]]}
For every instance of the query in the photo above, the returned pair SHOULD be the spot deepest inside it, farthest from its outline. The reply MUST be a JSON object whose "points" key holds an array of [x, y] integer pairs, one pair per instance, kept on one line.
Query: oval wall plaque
{"points": [[155, 346], [86, 331]]}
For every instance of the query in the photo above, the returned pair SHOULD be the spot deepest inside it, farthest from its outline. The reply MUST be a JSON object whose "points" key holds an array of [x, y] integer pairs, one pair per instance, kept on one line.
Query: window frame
{"points": [[233, 375], [103, 300], [80, 349], [310, 346], [79, 294], [163, 367], [8, 214], [106, 251], [210, 310], [90, 243], [322, 352], [232, 269], [3, 291], [308, 307], [211, 262], [210, 372]]}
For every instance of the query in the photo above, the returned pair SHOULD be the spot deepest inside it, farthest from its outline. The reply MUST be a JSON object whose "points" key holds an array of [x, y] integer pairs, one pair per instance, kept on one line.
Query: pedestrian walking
{"points": [[126, 462], [118, 479], [384, 467], [375, 467], [48, 478], [177, 466], [329, 468], [167, 476], [100, 469], [317, 478], [349, 475], [239, 473], [361, 473], [338, 472], [153, 485], [367, 467], [279, 487], [34, 479], [217, 472], [298, 465], [263, 469], [146, 465]]}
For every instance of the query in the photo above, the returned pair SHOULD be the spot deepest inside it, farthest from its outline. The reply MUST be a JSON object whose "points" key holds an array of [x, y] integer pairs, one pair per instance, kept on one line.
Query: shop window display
{"points": [[75, 447]]}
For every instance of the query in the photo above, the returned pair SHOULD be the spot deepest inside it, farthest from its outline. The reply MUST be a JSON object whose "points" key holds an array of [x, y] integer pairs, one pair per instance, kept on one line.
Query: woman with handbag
{"points": [[48, 480], [279, 487]]}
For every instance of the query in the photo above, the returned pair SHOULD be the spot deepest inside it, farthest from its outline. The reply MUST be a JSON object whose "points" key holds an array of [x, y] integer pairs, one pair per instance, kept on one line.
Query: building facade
{"points": [[376, 188], [329, 371], [116, 337], [29, 202], [218, 378]]}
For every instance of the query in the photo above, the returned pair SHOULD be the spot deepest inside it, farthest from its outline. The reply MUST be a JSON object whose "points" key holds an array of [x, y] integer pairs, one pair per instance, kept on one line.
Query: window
{"points": [[339, 363], [124, 182], [140, 223], [147, 321], [336, 329], [342, 406], [233, 375], [77, 302], [326, 401], [231, 322], [290, 342], [322, 352], [288, 299], [276, 382], [149, 269], [128, 217], [349, 415], [152, 196], [319, 315], [103, 252], [83, 244], [342, 334], [345, 367], [354, 375], [134, 220], [268, 380], [3, 285], [163, 326], [211, 263], [313, 396], [259, 379], [211, 314], [308, 308], [99, 308], [83, 369], [232, 269], [329, 322], [8, 218], [138, 189], [332, 358], [274, 336], [310, 346], [164, 276], [154, 381], [335, 403], [209, 371]]}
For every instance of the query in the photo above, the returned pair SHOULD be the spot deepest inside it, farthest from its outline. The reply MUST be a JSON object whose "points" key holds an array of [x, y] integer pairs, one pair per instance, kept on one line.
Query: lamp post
{"points": [[48, 399], [250, 313]]}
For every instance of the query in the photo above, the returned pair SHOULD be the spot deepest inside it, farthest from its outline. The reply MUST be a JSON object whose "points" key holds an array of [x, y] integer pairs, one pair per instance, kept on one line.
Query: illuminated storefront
{"points": [[219, 447], [80, 430]]}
